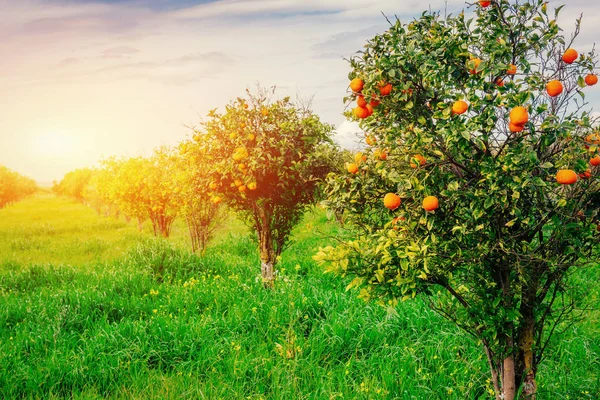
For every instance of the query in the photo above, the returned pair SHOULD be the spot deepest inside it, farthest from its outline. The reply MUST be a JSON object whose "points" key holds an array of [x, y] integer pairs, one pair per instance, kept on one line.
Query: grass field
{"points": [[91, 308]]}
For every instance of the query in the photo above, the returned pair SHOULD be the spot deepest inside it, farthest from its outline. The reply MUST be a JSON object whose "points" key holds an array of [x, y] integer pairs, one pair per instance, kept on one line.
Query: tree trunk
{"points": [[526, 366], [267, 252], [508, 377]]}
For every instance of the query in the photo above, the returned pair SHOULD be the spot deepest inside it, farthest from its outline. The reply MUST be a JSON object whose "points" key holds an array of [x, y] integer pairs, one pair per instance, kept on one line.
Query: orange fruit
{"points": [[242, 167], [460, 107], [370, 140], [361, 112], [356, 85], [374, 102], [484, 3], [252, 186], [359, 158], [593, 138], [360, 101], [212, 186], [383, 155], [430, 203], [417, 158], [369, 109], [586, 174], [245, 106], [237, 182], [385, 88], [570, 56], [242, 188], [242, 125], [566, 177], [352, 168], [500, 82], [515, 128], [512, 69], [251, 136], [591, 79], [216, 199], [595, 161], [392, 201], [554, 88], [519, 115], [264, 111], [473, 64]]}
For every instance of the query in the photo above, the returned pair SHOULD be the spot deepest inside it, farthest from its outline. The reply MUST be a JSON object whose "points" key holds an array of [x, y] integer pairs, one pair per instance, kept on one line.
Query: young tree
{"points": [[488, 194], [202, 215], [264, 160], [14, 186]]}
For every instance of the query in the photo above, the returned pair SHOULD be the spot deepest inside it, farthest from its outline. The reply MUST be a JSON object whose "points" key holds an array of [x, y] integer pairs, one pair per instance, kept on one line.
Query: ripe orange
{"points": [[361, 112], [252, 186], [515, 128], [554, 88], [473, 64], [591, 79], [251, 136], [417, 158], [383, 155], [500, 82], [570, 56], [242, 125], [566, 177], [264, 111], [512, 69], [374, 102], [593, 138], [356, 85], [245, 106], [360, 101], [352, 168], [586, 174], [595, 161], [370, 109], [212, 186], [392, 201], [216, 199], [242, 188], [484, 3], [242, 167], [385, 88], [237, 182], [430, 203], [370, 140], [460, 107], [519, 116]]}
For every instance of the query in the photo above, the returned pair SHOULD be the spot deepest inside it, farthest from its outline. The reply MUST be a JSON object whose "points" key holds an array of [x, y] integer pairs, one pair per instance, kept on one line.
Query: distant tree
{"points": [[14, 186], [265, 159]]}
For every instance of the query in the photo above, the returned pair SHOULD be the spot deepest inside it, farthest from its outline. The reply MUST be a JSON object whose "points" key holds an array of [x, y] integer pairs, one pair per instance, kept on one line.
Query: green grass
{"points": [[90, 308]]}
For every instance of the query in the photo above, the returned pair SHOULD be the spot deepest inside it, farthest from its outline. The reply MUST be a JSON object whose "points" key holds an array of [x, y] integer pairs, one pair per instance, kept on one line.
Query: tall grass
{"points": [[151, 320]]}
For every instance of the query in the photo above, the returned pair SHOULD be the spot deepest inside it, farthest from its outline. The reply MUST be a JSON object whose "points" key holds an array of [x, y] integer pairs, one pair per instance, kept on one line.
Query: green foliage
{"points": [[495, 255]]}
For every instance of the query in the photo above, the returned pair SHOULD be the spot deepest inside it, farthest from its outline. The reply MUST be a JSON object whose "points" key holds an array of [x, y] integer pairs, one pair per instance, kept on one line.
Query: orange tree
{"points": [[265, 159], [73, 184], [14, 186], [492, 175], [201, 214]]}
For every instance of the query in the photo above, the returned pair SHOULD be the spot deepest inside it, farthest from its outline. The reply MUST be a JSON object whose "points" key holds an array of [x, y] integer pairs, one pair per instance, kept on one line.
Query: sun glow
{"points": [[55, 143]]}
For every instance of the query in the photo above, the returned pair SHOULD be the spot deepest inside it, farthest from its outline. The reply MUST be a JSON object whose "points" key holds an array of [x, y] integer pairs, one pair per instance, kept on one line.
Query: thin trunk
{"points": [[509, 386], [267, 252], [493, 370], [527, 367]]}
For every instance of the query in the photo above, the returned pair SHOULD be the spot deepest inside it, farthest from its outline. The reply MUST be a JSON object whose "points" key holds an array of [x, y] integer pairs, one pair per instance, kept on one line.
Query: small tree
{"points": [[265, 163], [202, 215], [488, 194]]}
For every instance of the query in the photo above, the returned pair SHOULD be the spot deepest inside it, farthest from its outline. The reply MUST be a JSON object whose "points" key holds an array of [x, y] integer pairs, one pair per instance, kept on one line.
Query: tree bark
{"points": [[527, 367], [267, 252], [508, 376]]}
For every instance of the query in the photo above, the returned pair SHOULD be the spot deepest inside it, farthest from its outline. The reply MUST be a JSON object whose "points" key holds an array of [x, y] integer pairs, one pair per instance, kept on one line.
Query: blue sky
{"points": [[91, 79]]}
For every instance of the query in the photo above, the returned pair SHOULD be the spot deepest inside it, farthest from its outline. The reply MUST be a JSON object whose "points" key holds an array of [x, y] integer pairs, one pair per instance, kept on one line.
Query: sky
{"points": [[83, 80]]}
